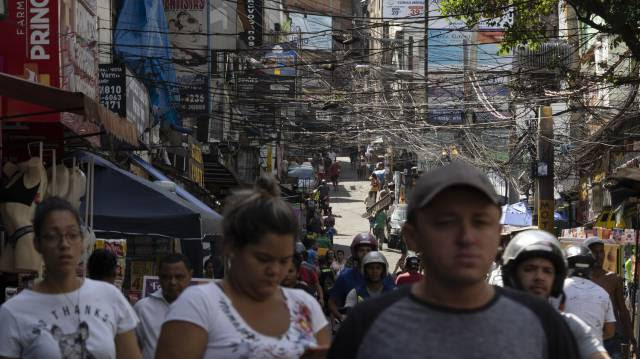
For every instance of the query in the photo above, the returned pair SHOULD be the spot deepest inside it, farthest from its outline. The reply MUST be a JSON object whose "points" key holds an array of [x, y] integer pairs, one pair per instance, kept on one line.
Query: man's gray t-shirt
{"points": [[511, 325]]}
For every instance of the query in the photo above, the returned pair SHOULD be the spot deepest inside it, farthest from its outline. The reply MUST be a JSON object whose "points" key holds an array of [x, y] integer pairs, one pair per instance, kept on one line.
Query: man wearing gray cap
{"points": [[454, 220]]}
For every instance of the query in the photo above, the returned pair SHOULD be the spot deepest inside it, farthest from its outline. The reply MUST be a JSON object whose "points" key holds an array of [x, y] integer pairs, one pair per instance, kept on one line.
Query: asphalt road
{"points": [[348, 206]]}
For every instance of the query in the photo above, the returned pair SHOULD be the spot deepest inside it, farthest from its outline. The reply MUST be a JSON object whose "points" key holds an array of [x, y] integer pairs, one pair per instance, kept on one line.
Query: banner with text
{"points": [[187, 23]]}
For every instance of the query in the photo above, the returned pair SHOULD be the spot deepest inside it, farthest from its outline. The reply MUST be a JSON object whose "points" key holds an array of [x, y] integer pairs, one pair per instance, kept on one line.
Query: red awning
{"points": [[58, 100]]}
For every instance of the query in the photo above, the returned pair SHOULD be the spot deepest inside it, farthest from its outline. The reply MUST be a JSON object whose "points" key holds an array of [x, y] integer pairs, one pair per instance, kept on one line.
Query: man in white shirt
{"points": [[584, 298], [174, 272], [332, 155]]}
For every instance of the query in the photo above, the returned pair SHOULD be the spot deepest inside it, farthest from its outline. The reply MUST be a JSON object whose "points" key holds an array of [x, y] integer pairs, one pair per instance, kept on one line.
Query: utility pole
{"points": [[544, 178]]}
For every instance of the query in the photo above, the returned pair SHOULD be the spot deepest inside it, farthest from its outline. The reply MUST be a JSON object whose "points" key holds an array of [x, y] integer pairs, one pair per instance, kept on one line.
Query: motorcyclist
{"points": [[350, 278], [585, 298], [374, 269], [534, 262], [412, 268]]}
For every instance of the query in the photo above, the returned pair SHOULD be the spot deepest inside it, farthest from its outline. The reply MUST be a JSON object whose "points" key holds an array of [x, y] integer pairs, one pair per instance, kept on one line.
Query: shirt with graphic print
{"points": [[590, 302], [78, 324], [208, 307], [512, 325]]}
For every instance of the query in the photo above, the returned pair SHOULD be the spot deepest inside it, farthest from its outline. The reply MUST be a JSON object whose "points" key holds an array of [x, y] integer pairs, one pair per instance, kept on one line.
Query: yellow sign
{"points": [[545, 215], [196, 170]]}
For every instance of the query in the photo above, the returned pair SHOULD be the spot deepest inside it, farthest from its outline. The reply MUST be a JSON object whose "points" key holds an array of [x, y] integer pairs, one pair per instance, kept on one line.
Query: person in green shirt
{"points": [[379, 224]]}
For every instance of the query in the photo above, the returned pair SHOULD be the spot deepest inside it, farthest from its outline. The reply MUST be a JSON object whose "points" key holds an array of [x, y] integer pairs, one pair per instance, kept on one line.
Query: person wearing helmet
{"points": [[614, 285], [374, 269], [584, 298], [412, 267], [534, 262], [453, 220], [350, 278]]}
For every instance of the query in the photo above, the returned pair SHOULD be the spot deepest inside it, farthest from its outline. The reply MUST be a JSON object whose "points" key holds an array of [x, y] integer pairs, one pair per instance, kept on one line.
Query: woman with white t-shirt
{"points": [[248, 314], [64, 316]]}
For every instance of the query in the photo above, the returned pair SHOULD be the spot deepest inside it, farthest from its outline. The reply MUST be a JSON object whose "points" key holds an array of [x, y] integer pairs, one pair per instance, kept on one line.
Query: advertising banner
{"points": [[137, 104], [112, 82], [187, 23], [30, 48], [125, 95], [280, 63], [258, 86], [250, 13], [79, 60], [402, 9], [313, 32]]}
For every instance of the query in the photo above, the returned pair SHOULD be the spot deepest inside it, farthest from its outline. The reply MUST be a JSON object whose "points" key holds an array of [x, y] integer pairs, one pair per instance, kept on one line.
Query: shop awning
{"points": [[184, 194], [124, 202], [58, 100]]}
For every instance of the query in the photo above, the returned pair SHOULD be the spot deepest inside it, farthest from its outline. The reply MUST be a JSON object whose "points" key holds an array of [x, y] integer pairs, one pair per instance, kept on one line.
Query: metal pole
{"points": [[544, 190]]}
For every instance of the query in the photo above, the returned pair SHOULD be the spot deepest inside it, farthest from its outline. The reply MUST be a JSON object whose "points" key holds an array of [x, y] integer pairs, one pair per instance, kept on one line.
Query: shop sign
{"points": [[312, 32], [263, 86], [187, 22], [30, 48], [402, 9], [280, 63], [137, 103], [250, 13], [79, 60], [124, 95], [196, 166], [112, 81]]}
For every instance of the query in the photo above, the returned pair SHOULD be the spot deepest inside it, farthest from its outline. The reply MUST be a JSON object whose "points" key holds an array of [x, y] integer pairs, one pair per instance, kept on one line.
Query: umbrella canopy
{"points": [[124, 202], [519, 215]]}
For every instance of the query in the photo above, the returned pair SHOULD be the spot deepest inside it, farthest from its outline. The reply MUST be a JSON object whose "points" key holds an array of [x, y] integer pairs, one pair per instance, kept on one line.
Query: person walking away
{"points": [[64, 316], [102, 265], [374, 270], [454, 220], [584, 298], [334, 174], [174, 273], [248, 313], [412, 274], [363, 169], [614, 285], [534, 263], [374, 186], [351, 277], [332, 156], [380, 223]]}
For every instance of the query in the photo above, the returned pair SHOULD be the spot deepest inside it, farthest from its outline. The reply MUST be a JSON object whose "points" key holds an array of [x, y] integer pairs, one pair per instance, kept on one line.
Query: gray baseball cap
{"points": [[457, 173]]}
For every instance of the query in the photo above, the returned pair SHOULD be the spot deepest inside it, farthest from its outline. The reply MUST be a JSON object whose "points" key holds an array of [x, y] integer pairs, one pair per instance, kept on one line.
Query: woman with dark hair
{"points": [[102, 266], [248, 313], [64, 316]]}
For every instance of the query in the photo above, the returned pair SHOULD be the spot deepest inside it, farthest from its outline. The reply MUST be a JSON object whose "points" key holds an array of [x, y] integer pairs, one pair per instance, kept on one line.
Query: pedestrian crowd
{"points": [[285, 296]]}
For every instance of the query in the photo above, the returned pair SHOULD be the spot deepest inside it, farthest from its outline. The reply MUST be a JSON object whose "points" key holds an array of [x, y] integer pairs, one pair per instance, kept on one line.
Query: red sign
{"points": [[30, 47]]}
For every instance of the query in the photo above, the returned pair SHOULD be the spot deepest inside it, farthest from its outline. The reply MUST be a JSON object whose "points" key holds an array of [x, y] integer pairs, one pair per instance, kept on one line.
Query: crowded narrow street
{"points": [[348, 206]]}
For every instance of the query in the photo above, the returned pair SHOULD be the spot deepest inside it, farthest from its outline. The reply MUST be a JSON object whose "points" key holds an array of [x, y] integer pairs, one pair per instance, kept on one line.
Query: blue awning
{"points": [[124, 202]]}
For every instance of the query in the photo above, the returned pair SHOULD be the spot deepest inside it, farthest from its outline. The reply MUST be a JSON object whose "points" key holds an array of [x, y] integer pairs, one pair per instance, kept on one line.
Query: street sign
{"points": [[545, 215]]}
